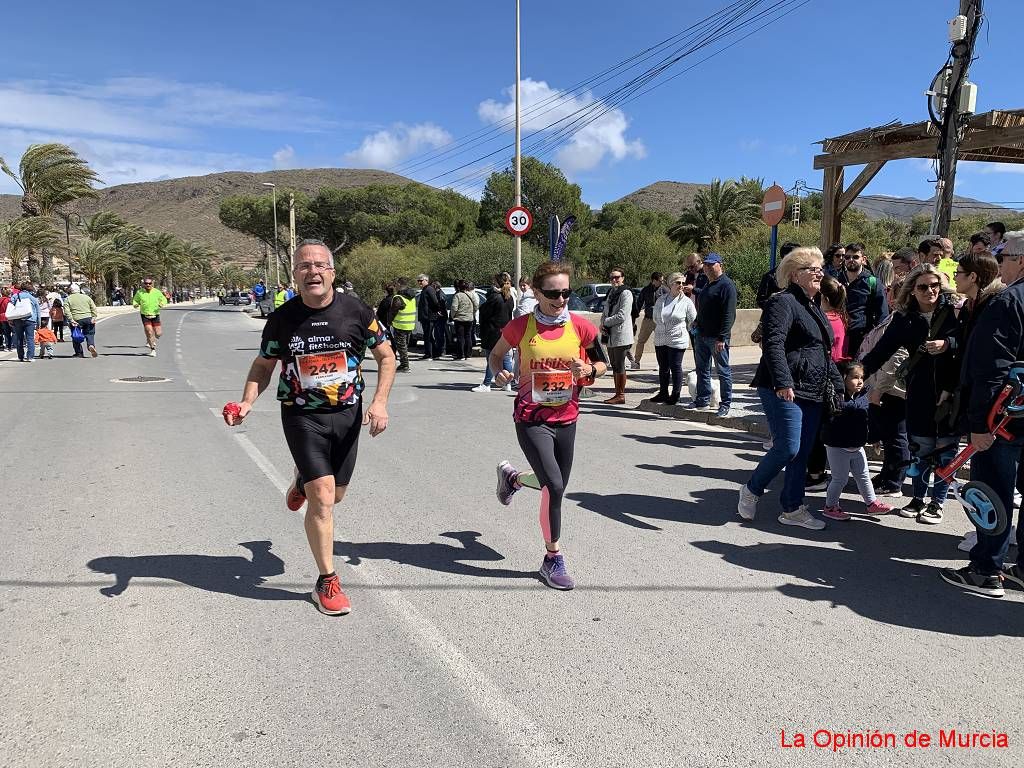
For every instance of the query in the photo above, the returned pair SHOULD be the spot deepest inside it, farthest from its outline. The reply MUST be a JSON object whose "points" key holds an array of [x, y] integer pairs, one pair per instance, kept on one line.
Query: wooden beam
{"points": [[855, 188], [831, 217], [987, 138]]}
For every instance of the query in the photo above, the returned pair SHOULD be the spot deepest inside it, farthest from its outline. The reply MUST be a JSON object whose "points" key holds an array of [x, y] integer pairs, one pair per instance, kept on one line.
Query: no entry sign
{"points": [[773, 207], [518, 221]]}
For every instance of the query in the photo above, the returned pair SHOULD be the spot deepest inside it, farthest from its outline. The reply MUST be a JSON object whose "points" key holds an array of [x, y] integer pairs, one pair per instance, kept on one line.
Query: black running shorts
{"points": [[155, 320], [323, 444]]}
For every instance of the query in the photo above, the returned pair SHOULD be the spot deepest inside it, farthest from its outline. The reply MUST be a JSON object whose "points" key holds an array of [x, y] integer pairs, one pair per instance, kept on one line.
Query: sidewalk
{"points": [[745, 414]]}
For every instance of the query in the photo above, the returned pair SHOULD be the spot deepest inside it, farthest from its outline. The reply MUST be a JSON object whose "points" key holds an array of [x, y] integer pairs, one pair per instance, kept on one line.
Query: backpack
{"points": [[872, 337]]}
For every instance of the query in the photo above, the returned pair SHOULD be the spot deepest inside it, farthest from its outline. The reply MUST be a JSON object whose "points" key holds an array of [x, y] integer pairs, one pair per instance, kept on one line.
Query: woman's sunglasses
{"points": [[554, 294]]}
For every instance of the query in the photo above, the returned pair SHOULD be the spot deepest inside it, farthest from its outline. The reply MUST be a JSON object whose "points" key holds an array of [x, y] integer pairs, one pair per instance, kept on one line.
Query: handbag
{"points": [[19, 309], [77, 335]]}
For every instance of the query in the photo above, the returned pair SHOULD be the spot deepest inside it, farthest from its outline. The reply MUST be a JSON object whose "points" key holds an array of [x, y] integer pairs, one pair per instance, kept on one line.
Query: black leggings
{"points": [[463, 339], [670, 367], [549, 449]]}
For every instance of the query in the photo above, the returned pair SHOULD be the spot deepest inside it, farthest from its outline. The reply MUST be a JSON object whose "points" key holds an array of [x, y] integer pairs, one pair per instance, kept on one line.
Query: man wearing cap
{"points": [[716, 314], [995, 344]]}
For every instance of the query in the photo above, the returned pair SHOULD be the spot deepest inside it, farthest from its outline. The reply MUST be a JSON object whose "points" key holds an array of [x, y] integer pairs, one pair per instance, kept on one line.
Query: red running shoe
{"points": [[295, 498], [328, 597]]}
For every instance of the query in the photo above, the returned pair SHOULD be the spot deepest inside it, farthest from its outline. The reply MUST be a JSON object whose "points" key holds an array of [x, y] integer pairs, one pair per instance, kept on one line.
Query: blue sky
{"points": [[163, 89]]}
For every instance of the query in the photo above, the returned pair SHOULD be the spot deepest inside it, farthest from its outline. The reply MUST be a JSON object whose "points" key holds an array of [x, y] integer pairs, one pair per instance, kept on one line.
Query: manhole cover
{"points": [[140, 380]]}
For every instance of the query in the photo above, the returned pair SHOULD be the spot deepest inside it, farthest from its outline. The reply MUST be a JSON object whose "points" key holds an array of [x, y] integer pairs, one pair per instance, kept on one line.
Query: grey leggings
{"points": [[843, 463], [549, 448]]}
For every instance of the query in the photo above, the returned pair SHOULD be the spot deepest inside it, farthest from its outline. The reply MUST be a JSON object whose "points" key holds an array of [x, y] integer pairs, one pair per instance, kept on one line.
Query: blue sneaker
{"points": [[554, 572], [508, 483], [723, 410], [694, 405]]}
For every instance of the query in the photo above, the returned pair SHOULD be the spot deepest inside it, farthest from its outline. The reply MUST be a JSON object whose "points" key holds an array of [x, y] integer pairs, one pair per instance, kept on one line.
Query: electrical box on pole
{"points": [[955, 102]]}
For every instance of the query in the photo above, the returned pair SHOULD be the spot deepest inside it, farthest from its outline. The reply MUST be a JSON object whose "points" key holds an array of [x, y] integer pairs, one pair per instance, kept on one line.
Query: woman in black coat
{"points": [[792, 380], [926, 325], [495, 313]]}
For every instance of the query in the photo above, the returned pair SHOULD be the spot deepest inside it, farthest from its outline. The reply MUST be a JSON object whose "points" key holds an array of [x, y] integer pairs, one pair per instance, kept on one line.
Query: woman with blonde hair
{"points": [[926, 325], [673, 315], [795, 375]]}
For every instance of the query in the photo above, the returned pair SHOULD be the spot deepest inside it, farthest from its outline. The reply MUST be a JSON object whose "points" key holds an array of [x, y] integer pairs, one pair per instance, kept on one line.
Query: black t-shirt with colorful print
{"points": [[320, 351]]}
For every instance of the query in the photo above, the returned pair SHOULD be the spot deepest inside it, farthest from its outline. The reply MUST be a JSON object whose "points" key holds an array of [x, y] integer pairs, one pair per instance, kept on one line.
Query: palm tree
{"points": [[165, 253], [103, 224], [718, 211], [50, 177], [97, 260], [230, 276], [25, 236]]}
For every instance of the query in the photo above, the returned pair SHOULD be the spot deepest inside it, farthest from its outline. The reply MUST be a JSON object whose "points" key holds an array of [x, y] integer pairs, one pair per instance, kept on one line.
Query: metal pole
{"points": [[519, 179], [774, 246], [951, 117], [277, 253], [291, 224], [67, 235]]}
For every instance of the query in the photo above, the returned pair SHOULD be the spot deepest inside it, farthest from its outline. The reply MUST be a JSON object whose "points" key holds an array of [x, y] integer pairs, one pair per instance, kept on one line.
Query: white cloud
{"points": [[123, 162], [285, 157], [543, 105], [389, 147], [987, 168], [751, 145], [151, 108]]}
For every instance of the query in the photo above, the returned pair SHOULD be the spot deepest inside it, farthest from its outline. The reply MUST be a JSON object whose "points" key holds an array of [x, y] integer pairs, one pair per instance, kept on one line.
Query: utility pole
{"points": [[291, 224], [277, 253], [519, 170], [955, 113]]}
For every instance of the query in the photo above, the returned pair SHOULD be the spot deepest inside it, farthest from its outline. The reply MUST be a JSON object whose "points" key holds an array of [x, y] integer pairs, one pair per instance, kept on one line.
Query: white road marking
{"points": [[503, 716]]}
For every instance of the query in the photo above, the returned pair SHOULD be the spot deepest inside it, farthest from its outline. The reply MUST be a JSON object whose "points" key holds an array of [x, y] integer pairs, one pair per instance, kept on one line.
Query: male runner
{"points": [[320, 342], [149, 300], [555, 353]]}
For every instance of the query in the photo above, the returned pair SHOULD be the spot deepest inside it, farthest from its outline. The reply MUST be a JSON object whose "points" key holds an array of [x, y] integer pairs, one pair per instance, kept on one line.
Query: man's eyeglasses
{"points": [[554, 294], [678, 282], [1000, 256], [311, 266], [927, 287], [614, 277]]}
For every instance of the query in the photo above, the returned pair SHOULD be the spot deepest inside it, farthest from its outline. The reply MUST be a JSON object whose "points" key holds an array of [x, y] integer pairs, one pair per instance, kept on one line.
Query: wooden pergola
{"points": [[994, 137]]}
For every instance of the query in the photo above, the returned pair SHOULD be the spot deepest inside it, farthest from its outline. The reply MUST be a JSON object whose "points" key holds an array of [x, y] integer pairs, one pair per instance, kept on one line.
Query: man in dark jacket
{"points": [[643, 309], [768, 286], [866, 305], [995, 345], [716, 314], [431, 312]]}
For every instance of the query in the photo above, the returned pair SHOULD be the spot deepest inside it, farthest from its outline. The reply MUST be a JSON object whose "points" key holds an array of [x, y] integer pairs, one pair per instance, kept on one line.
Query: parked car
{"points": [[238, 299], [596, 303], [588, 291]]}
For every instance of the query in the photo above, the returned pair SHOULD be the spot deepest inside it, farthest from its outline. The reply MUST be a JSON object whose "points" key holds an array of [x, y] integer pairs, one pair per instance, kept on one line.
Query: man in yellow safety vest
{"points": [[281, 296], [403, 310]]}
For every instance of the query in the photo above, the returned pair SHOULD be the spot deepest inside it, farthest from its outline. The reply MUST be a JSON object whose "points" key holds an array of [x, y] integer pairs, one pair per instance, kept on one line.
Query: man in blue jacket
{"points": [[716, 314], [995, 344]]}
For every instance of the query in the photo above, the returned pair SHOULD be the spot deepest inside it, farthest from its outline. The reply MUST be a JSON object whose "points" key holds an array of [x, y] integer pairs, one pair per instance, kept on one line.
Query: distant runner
{"points": [[320, 341], [149, 300], [555, 353]]}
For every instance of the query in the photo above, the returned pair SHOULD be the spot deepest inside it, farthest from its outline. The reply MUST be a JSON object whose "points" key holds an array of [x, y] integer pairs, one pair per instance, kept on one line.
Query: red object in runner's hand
{"points": [[231, 409]]}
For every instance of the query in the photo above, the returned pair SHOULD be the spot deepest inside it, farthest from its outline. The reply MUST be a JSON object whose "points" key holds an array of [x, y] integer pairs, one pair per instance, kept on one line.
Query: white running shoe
{"points": [[508, 387], [481, 388], [747, 506], [152, 352], [802, 517]]}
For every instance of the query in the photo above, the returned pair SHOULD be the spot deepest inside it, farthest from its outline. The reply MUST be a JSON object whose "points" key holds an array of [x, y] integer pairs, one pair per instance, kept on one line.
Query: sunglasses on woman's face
{"points": [[554, 294]]}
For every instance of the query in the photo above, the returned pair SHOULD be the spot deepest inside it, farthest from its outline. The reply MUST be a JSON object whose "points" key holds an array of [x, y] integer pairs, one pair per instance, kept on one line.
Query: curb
{"points": [[751, 424]]}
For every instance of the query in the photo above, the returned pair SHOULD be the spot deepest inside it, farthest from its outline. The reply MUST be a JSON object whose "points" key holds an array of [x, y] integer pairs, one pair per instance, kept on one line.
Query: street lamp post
{"points": [[277, 256], [67, 235]]}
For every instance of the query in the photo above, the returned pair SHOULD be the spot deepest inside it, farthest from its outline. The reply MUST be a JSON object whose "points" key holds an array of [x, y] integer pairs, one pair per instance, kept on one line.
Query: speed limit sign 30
{"points": [[518, 221]]}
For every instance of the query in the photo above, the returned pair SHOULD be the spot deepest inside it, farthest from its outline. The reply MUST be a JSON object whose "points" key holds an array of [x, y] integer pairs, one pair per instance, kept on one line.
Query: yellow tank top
{"points": [[545, 374]]}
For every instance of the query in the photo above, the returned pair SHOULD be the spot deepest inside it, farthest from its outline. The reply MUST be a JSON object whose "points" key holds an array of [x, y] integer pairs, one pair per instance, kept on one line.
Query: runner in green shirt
{"points": [[149, 300]]}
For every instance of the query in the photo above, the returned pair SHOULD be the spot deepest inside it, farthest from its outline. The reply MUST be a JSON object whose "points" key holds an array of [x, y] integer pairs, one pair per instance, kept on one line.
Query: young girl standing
{"points": [[844, 438], [833, 304]]}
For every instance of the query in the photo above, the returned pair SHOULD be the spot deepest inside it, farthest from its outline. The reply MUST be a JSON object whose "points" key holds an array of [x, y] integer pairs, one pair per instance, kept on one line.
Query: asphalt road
{"points": [[154, 590]]}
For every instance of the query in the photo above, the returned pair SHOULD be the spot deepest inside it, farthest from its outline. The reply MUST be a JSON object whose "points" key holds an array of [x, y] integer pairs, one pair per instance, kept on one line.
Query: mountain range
{"points": [[189, 206]]}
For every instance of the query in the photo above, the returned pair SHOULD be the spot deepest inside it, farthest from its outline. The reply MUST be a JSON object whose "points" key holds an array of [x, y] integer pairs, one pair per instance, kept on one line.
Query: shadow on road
{"points": [[868, 580], [710, 507], [435, 556], [235, 576]]}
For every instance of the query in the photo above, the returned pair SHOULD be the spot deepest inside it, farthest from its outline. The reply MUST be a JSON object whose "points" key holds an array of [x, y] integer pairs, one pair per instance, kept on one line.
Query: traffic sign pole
{"points": [[774, 245], [773, 210]]}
